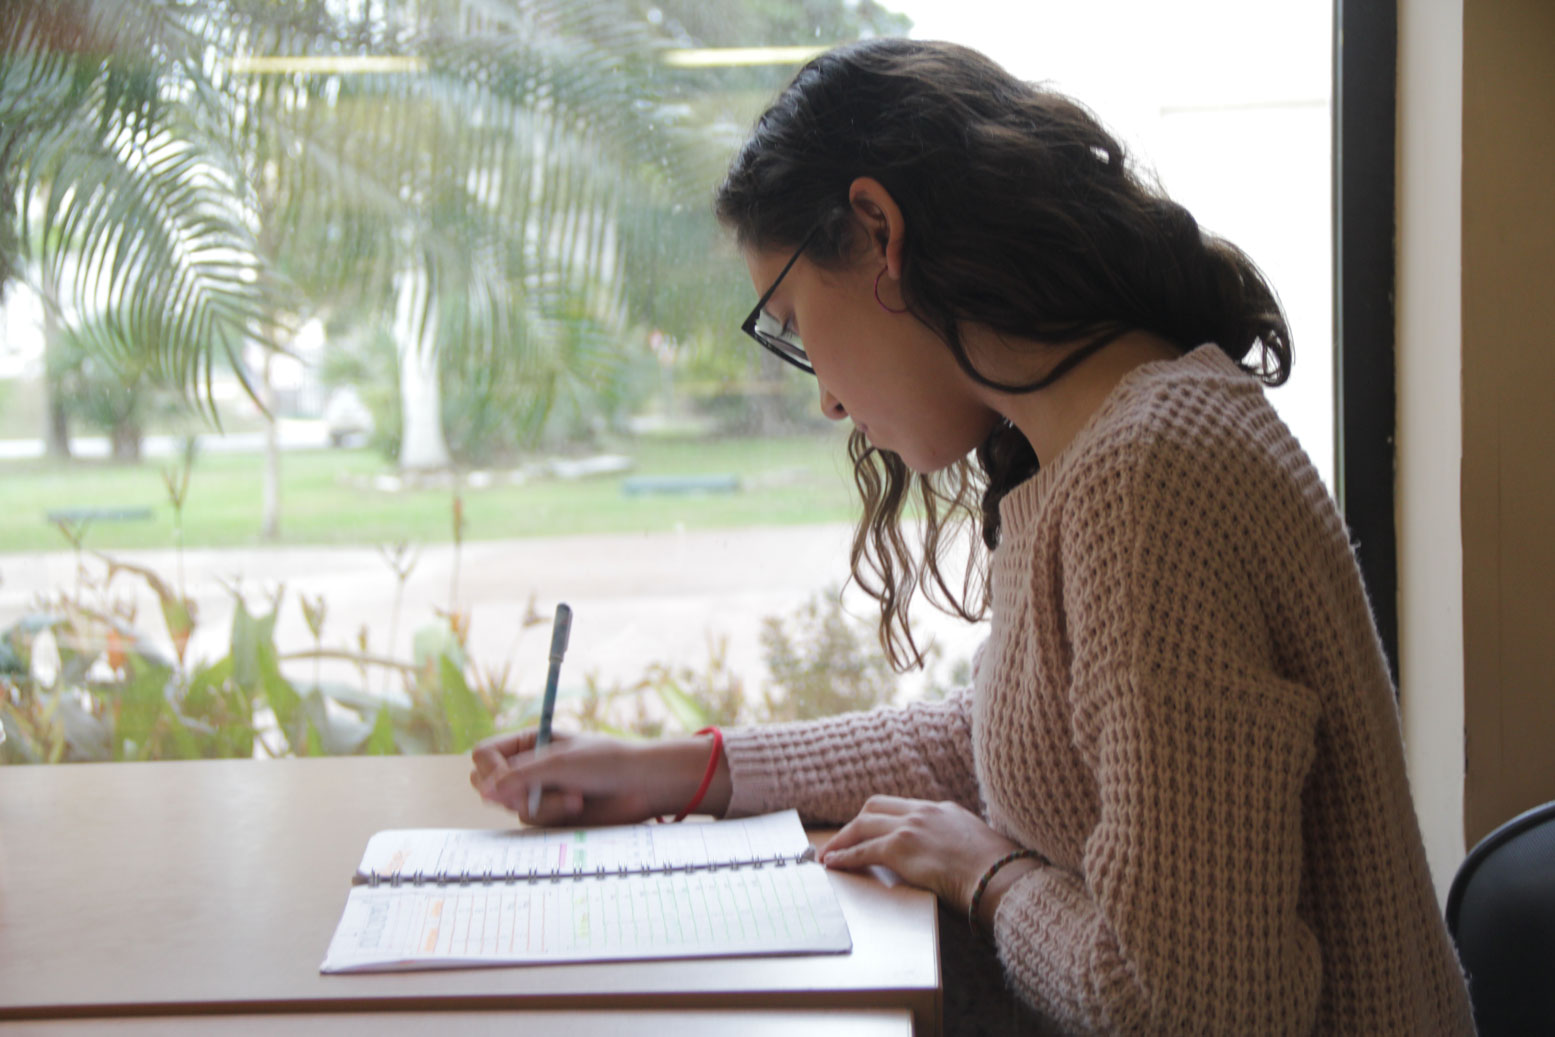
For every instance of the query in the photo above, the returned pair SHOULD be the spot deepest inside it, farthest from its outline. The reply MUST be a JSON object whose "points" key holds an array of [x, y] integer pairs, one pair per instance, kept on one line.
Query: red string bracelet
{"points": [[707, 776]]}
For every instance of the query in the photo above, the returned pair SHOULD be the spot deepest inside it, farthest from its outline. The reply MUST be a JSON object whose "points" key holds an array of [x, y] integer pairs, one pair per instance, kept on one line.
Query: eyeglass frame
{"points": [[801, 360]]}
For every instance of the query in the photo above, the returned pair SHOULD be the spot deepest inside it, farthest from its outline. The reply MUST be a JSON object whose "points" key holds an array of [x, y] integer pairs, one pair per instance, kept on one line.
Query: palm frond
{"points": [[522, 173], [126, 193]]}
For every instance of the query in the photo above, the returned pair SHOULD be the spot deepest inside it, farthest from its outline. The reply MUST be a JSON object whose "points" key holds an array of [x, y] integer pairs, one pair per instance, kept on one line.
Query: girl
{"points": [[1174, 799]]}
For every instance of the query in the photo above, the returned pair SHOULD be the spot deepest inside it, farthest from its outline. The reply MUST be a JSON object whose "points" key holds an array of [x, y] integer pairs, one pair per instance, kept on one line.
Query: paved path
{"points": [[637, 599], [293, 433]]}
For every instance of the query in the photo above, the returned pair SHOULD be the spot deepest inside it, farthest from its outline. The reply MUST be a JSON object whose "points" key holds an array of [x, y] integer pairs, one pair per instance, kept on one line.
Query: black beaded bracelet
{"points": [[982, 883]]}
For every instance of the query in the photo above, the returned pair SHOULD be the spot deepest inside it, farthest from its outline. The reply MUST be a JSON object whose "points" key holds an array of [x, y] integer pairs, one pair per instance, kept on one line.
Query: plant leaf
{"points": [[688, 712], [249, 633], [87, 736], [283, 700], [327, 734], [468, 723], [142, 700], [380, 740]]}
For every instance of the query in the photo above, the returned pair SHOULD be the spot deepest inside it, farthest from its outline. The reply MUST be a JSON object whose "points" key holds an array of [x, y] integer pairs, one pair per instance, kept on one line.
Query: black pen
{"points": [[561, 628]]}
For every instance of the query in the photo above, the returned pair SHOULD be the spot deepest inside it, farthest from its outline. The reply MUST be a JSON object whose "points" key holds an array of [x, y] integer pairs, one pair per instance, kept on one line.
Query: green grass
{"points": [[327, 497]]}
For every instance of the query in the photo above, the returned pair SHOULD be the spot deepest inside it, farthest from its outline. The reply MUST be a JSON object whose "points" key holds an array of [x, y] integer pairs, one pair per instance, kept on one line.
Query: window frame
{"points": [[1365, 389]]}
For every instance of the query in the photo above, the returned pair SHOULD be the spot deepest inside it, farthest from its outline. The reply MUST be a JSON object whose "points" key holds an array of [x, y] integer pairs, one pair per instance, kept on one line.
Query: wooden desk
{"points": [[214, 887], [647, 1022]]}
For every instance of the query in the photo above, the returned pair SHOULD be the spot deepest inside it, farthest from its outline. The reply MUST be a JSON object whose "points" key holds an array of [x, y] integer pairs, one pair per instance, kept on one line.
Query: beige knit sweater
{"points": [[1183, 706]]}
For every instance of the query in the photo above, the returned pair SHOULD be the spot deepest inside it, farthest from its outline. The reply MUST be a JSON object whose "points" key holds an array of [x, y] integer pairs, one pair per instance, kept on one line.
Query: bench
{"points": [[644, 484], [82, 516]]}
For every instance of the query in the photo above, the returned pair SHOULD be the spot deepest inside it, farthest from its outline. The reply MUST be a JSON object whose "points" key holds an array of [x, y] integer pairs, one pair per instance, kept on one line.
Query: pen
{"points": [[561, 627]]}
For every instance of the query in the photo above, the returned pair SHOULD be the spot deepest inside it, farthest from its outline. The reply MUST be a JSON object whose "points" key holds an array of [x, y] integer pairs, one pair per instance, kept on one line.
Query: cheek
{"points": [[962, 433], [846, 346]]}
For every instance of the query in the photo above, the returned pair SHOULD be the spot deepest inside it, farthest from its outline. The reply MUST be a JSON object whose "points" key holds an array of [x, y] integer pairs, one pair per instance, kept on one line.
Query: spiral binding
{"points": [[487, 877]]}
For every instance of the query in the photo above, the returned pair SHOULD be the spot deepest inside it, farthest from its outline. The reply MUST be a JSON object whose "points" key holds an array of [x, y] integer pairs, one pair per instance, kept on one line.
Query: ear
{"points": [[881, 218]]}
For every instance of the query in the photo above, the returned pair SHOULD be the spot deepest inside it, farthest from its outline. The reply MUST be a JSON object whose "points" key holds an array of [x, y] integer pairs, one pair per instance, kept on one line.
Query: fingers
{"points": [[942, 847], [507, 743], [507, 789], [563, 780], [491, 755], [563, 805], [880, 816], [556, 807], [495, 754], [864, 829], [584, 780], [530, 798], [494, 757], [542, 765], [896, 805], [575, 788]]}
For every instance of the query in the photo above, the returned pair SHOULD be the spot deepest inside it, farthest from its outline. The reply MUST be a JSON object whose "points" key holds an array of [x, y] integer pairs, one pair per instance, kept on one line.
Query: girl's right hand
{"points": [[594, 780]]}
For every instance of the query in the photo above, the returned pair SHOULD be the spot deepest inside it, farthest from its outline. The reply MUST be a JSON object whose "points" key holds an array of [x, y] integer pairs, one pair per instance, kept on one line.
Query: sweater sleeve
{"points": [[827, 768], [1184, 916]]}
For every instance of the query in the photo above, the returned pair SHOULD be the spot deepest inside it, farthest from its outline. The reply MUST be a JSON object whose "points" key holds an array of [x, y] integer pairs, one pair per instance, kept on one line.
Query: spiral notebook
{"points": [[430, 898]]}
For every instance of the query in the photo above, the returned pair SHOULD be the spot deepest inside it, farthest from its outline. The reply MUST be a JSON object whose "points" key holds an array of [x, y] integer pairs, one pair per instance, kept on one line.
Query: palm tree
{"points": [[195, 172], [474, 185], [116, 173], [470, 175]]}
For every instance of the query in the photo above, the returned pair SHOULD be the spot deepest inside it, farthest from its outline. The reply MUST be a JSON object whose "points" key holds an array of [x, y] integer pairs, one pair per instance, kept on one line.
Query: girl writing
{"points": [[1174, 799]]}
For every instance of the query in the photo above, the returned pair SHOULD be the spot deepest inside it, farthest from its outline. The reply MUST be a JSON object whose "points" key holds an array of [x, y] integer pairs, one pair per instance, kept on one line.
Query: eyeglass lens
{"points": [[775, 337]]}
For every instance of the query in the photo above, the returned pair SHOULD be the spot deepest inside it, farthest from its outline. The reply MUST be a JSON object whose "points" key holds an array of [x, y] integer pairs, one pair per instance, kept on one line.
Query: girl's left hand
{"points": [[942, 847]]}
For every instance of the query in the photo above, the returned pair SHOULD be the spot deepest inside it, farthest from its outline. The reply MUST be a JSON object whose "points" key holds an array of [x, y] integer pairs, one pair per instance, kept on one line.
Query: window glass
{"points": [[1235, 127], [339, 344]]}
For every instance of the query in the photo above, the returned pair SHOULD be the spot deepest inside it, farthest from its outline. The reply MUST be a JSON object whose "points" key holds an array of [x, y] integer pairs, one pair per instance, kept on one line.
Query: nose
{"points": [[831, 406]]}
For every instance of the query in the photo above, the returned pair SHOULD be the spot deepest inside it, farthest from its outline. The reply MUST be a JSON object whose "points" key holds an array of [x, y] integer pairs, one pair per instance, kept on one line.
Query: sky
{"points": [[1227, 103]]}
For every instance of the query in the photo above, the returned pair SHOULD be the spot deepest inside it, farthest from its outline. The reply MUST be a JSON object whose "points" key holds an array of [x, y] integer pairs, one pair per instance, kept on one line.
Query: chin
{"points": [[921, 465], [924, 458]]}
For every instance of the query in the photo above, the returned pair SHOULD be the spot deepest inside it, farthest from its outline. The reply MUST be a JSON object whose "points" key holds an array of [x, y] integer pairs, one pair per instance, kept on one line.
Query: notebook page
{"points": [[718, 913], [410, 854]]}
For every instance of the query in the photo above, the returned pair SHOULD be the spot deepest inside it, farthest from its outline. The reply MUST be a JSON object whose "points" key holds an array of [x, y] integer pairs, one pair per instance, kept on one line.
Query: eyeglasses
{"points": [[773, 333]]}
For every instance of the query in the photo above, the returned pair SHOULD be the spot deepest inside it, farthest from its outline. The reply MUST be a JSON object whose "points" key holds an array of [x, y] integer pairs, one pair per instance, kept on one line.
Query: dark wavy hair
{"points": [[1023, 215]]}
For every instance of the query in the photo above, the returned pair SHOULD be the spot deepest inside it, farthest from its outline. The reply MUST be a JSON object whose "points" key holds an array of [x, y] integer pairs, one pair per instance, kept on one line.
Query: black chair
{"points": [[1501, 913]]}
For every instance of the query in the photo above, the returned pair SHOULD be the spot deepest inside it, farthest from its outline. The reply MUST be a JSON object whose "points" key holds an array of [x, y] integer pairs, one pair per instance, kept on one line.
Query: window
{"points": [[462, 256]]}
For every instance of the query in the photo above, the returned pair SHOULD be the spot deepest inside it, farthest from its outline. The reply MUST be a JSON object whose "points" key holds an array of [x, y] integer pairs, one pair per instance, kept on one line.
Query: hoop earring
{"points": [[881, 301]]}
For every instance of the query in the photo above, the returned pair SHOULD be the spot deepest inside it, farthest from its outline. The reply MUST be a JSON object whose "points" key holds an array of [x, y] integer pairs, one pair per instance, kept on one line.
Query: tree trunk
{"points": [[270, 483], [56, 428], [124, 440], [422, 444]]}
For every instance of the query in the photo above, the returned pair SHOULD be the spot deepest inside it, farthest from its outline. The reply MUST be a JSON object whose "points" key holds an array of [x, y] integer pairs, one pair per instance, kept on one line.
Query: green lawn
{"points": [[327, 496]]}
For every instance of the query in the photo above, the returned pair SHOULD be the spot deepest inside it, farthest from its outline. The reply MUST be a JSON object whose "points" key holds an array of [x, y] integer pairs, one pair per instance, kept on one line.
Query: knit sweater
{"points": [[1184, 708]]}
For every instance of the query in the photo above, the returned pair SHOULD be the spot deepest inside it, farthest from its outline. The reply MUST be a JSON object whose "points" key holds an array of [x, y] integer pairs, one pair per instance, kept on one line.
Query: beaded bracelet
{"points": [[982, 883], [707, 775]]}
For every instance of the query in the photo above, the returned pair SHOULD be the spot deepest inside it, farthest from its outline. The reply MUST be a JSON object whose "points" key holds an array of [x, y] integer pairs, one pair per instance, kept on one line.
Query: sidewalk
{"points": [[637, 599], [293, 434]]}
